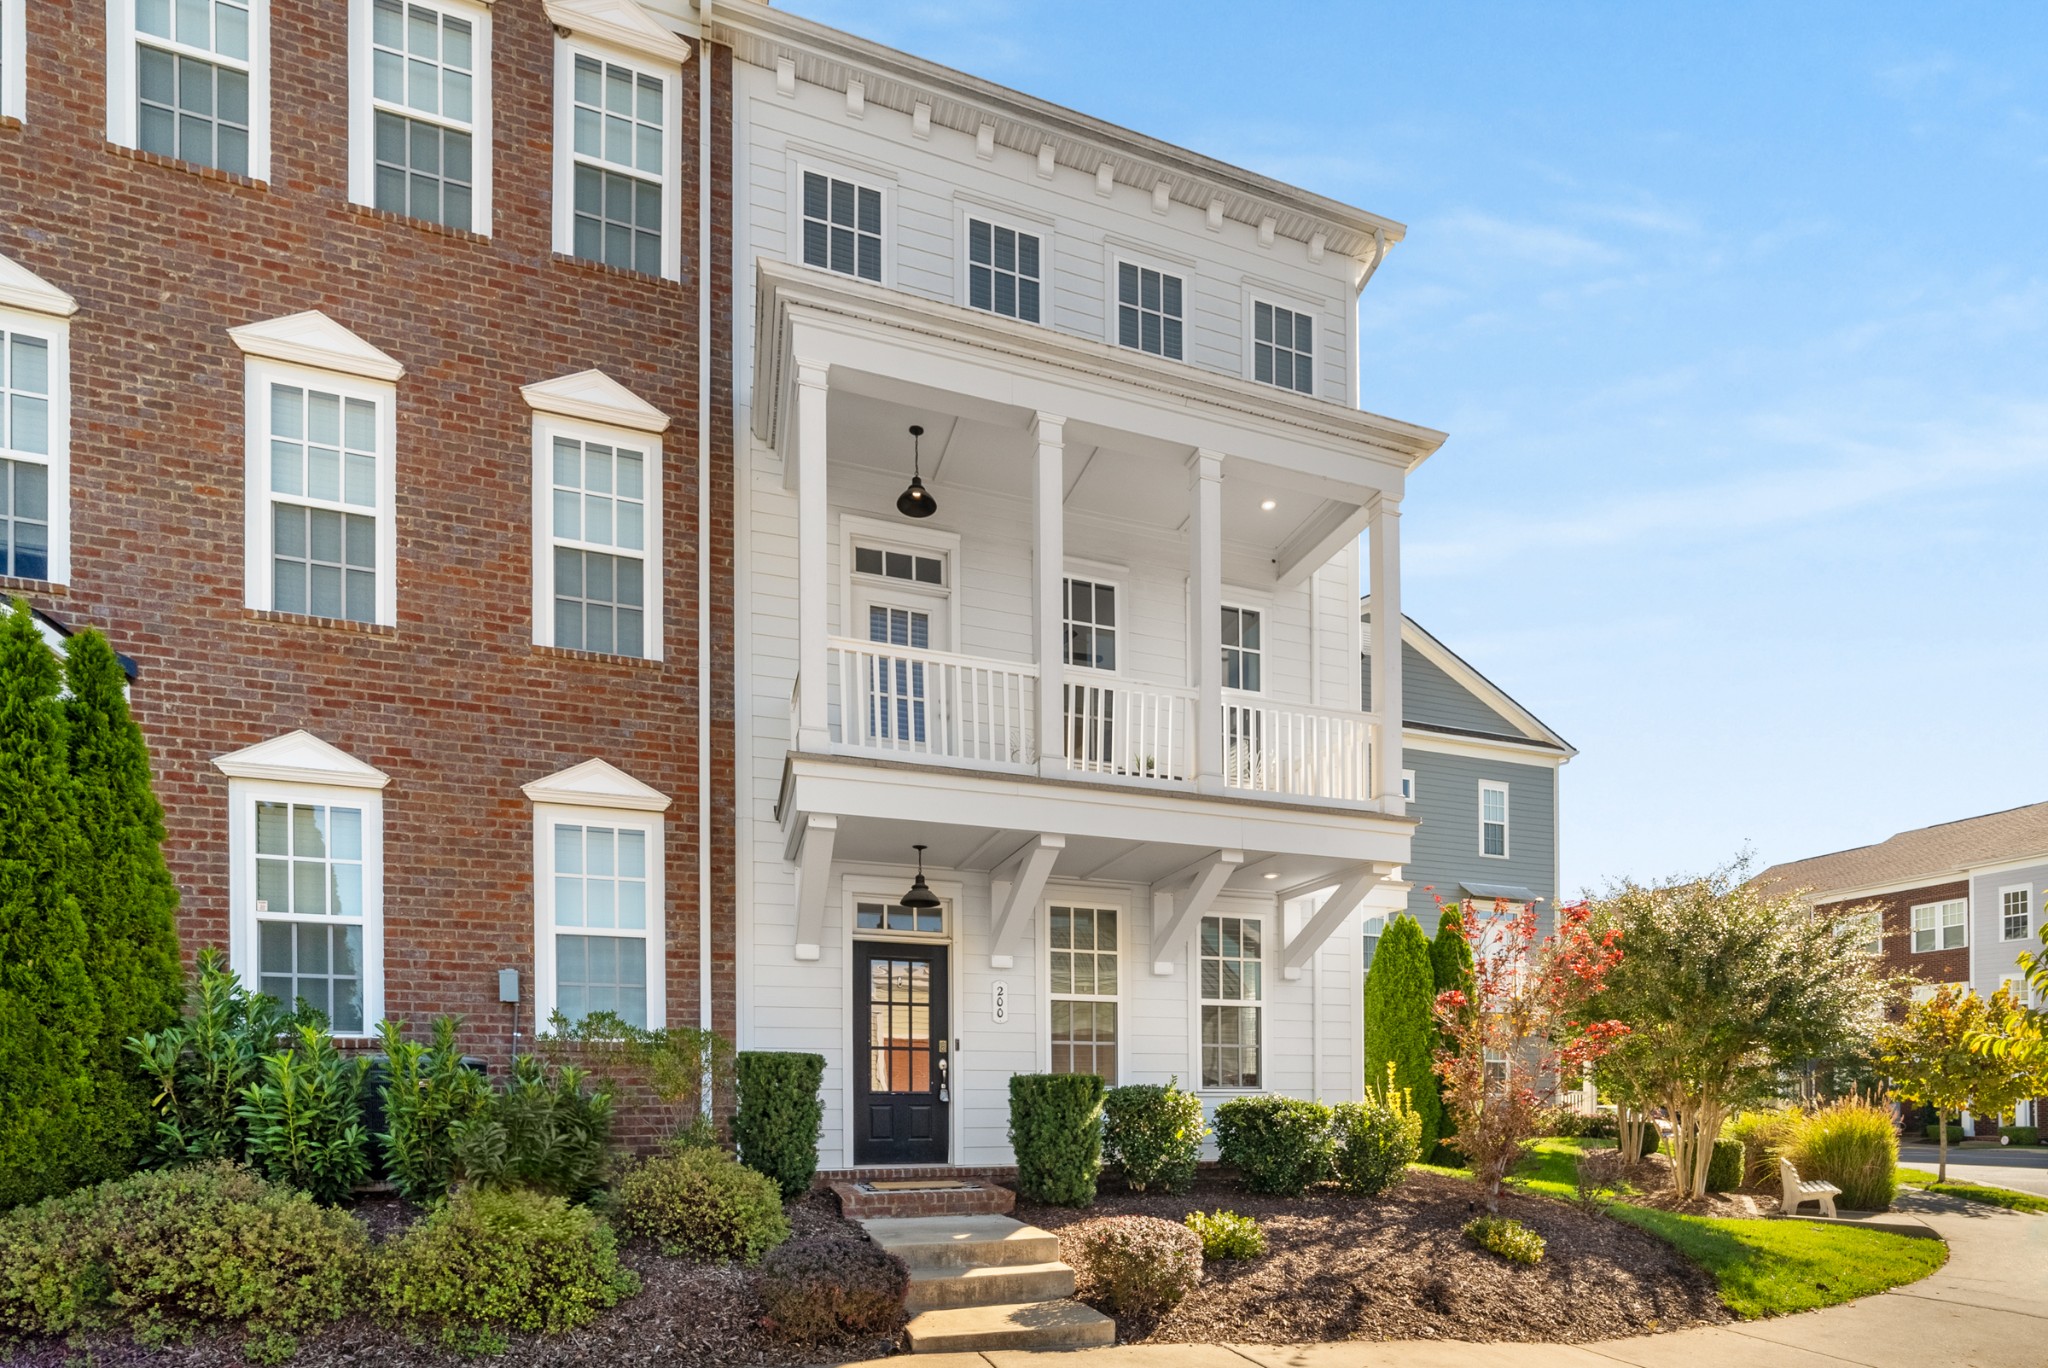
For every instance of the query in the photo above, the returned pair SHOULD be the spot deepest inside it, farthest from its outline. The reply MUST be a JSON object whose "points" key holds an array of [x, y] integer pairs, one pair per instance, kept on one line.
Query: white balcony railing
{"points": [[1138, 731], [1306, 752], [898, 700]]}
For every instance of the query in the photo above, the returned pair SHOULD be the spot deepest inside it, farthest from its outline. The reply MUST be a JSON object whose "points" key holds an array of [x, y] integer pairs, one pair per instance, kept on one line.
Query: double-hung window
{"points": [[2015, 909], [1090, 626], [35, 427], [1002, 270], [597, 517], [618, 153], [321, 476], [1241, 649], [1283, 347], [842, 226], [1493, 820], [421, 116], [1941, 926], [187, 79], [1233, 984], [1148, 310], [13, 59], [1865, 930], [1083, 964]]}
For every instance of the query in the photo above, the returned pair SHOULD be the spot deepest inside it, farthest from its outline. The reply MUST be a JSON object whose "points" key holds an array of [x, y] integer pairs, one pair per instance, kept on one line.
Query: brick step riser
{"points": [[990, 1287], [979, 1253], [868, 1206]]}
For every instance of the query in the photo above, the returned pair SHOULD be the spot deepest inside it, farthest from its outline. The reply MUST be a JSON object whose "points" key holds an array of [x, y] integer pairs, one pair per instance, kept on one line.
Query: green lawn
{"points": [[1771, 1267], [1552, 1167], [1975, 1192]]}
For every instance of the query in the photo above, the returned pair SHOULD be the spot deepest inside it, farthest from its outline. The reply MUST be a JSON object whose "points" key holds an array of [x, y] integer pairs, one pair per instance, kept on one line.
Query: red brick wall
{"points": [[455, 702], [1935, 966]]}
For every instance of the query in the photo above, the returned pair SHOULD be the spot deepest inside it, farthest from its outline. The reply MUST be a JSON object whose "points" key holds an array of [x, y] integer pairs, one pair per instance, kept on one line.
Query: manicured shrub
{"points": [[1277, 1144], [1056, 1132], [779, 1113], [2022, 1135], [1375, 1140], [1153, 1135], [164, 1253], [822, 1286], [488, 1262], [304, 1118], [1136, 1265], [1400, 998], [50, 1018], [1724, 1170], [700, 1204], [1572, 1124], [429, 1096], [1451, 968], [125, 895], [545, 1131], [1851, 1144], [1227, 1235], [1763, 1136], [1507, 1237]]}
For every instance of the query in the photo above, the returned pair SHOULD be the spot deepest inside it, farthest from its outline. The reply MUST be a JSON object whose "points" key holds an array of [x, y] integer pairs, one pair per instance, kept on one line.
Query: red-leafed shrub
{"points": [[1137, 1265], [819, 1287]]}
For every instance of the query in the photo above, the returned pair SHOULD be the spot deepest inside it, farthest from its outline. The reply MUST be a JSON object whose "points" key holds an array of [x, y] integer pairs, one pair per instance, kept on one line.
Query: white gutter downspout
{"points": [[704, 411]]}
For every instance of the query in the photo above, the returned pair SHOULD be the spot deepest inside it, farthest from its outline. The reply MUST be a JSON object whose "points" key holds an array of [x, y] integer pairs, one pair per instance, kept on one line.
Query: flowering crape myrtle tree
{"points": [[1725, 986], [1532, 1011], [1929, 1058]]}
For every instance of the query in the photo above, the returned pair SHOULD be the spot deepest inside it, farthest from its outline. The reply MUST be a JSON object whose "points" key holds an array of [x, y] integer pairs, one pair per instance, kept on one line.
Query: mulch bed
{"points": [[1396, 1267], [1648, 1184], [686, 1315]]}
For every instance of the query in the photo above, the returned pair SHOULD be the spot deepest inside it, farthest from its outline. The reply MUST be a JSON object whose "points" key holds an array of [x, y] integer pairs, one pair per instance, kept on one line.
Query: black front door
{"points": [[901, 1089]]}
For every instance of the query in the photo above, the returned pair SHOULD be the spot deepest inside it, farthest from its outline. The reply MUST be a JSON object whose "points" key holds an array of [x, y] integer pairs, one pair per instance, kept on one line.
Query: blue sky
{"points": [[1736, 316]]}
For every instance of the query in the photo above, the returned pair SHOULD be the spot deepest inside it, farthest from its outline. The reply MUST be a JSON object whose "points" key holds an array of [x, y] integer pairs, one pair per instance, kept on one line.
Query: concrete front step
{"points": [[933, 1287], [1029, 1325], [958, 1242]]}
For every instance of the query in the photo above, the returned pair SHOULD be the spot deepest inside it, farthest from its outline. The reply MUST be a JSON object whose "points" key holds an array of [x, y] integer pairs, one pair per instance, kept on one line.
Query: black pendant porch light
{"points": [[920, 898], [916, 501]]}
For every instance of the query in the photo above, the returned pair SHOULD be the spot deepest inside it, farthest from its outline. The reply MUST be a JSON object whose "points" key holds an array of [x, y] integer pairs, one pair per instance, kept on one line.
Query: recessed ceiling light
{"points": [[1271, 875], [1269, 505]]}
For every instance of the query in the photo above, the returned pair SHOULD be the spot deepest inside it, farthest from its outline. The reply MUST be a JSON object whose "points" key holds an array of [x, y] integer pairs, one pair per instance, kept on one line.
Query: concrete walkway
{"points": [[1986, 1308]]}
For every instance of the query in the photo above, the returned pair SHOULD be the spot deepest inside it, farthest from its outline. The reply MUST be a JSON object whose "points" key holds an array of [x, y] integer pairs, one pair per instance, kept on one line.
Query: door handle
{"points": [[944, 1093]]}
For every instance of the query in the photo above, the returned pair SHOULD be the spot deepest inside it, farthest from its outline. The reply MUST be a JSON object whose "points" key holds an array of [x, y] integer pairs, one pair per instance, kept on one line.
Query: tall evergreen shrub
{"points": [[124, 891], [49, 1017], [776, 1123], [1400, 991], [1450, 960], [1056, 1132]]}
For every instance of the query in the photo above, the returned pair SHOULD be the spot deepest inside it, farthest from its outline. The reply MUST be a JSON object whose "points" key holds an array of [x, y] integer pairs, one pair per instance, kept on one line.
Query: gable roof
{"points": [[1529, 728], [1932, 854]]}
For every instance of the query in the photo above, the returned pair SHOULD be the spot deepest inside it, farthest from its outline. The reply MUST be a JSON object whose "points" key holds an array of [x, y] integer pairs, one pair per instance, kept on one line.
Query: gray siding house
{"points": [[1482, 776]]}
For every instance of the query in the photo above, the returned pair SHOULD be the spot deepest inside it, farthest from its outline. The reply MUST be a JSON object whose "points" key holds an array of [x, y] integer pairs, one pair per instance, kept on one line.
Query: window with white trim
{"points": [[1493, 820], [1941, 926], [1233, 984], [1408, 785], [617, 159], [421, 115], [1002, 270], [187, 79], [2015, 912], [1283, 347], [906, 566], [1865, 930], [842, 226], [1148, 310], [1090, 624], [879, 914], [1083, 969], [598, 526], [1375, 927], [13, 59], [1242, 650], [35, 445], [323, 492]]}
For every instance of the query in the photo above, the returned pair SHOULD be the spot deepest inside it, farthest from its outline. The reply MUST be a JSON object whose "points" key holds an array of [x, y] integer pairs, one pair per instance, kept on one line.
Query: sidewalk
{"points": [[1986, 1308]]}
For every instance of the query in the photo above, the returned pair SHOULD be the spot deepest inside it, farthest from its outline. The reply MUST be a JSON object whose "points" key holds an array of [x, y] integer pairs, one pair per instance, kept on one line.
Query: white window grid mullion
{"points": [[178, 49], [477, 56], [383, 106]]}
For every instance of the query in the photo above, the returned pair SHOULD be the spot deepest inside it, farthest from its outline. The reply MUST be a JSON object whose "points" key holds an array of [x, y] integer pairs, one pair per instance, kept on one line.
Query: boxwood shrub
{"points": [[699, 1204], [1507, 1237], [1227, 1235], [1153, 1135], [1724, 1170], [2022, 1135], [1056, 1132], [776, 1123], [1135, 1265], [1374, 1140], [822, 1286], [1278, 1145]]}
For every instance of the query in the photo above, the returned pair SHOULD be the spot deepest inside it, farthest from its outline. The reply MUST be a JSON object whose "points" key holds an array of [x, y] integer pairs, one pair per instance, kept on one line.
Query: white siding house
{"points": [[1112, 684]]}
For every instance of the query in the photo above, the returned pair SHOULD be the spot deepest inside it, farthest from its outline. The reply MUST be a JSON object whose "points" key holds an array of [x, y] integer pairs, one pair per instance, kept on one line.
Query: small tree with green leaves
{"points": [[1400, 998], [1450, 961], [125, 894], [50, 1019], [1929, 1058]]}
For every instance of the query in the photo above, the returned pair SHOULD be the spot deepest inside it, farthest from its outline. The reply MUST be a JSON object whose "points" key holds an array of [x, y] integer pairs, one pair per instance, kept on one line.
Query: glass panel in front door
{"points": [[896, 707], [900, 1026]]}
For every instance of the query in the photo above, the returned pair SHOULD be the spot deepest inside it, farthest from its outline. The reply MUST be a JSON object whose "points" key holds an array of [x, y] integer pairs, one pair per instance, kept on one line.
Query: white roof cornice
{"points": [[1488, 692], [595, 397], [313, 339], [301, 758], [21, 288], [596, 784], [620, 23]]}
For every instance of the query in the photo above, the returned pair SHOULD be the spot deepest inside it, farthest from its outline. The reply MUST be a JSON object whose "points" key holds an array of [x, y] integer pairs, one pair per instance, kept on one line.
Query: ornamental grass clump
{"points": [[1763, 1136], [822, 1286], [1278, 1145], [1153, 1135], [701, 1204], [1056, 1133], [1227, 1235], [1507, 1237], [1851, 1144], [1135, 1265], [1375, 1140]]}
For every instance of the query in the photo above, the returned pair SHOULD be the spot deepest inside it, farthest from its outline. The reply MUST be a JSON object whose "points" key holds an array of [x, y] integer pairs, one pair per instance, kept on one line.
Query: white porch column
{"points": [[812, 726], [1205, 607], [1048, 589], [1385, 587]]}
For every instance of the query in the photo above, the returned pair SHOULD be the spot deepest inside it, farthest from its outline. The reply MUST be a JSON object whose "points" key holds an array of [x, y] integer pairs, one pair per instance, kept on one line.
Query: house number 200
{"points": [[1001, 1002]]}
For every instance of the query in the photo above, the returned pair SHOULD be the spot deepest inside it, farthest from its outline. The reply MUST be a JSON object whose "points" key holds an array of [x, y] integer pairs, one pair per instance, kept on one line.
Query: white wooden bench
{"points": [[1799, 1190]]}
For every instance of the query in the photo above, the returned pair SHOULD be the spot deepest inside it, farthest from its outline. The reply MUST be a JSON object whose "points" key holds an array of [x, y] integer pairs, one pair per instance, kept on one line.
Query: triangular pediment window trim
{"points": [[620, 23], [596, 784], [21, 288], [301, 758], [597, 398], [313, 339]]}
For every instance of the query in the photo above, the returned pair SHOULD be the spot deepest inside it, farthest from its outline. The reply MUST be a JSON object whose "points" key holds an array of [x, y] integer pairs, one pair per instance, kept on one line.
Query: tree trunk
{"points": [[1696, 1126], [1941, 1169], [1631, 1125]]}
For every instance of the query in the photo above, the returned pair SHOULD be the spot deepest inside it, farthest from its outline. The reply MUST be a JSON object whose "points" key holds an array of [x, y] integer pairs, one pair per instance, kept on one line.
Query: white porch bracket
{"points": [[1015, 887], [1180, 898], [810, 848], [1342, 902]]}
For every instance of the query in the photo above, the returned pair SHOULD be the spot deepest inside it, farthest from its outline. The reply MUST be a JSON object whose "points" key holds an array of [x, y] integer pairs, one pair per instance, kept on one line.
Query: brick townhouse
{"points": [[353, 382]]}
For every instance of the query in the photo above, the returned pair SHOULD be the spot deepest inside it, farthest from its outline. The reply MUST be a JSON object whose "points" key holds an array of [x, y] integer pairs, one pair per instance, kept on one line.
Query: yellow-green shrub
{"points": [[1507, 1237], [701, 1204], [1763, 1135]]}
